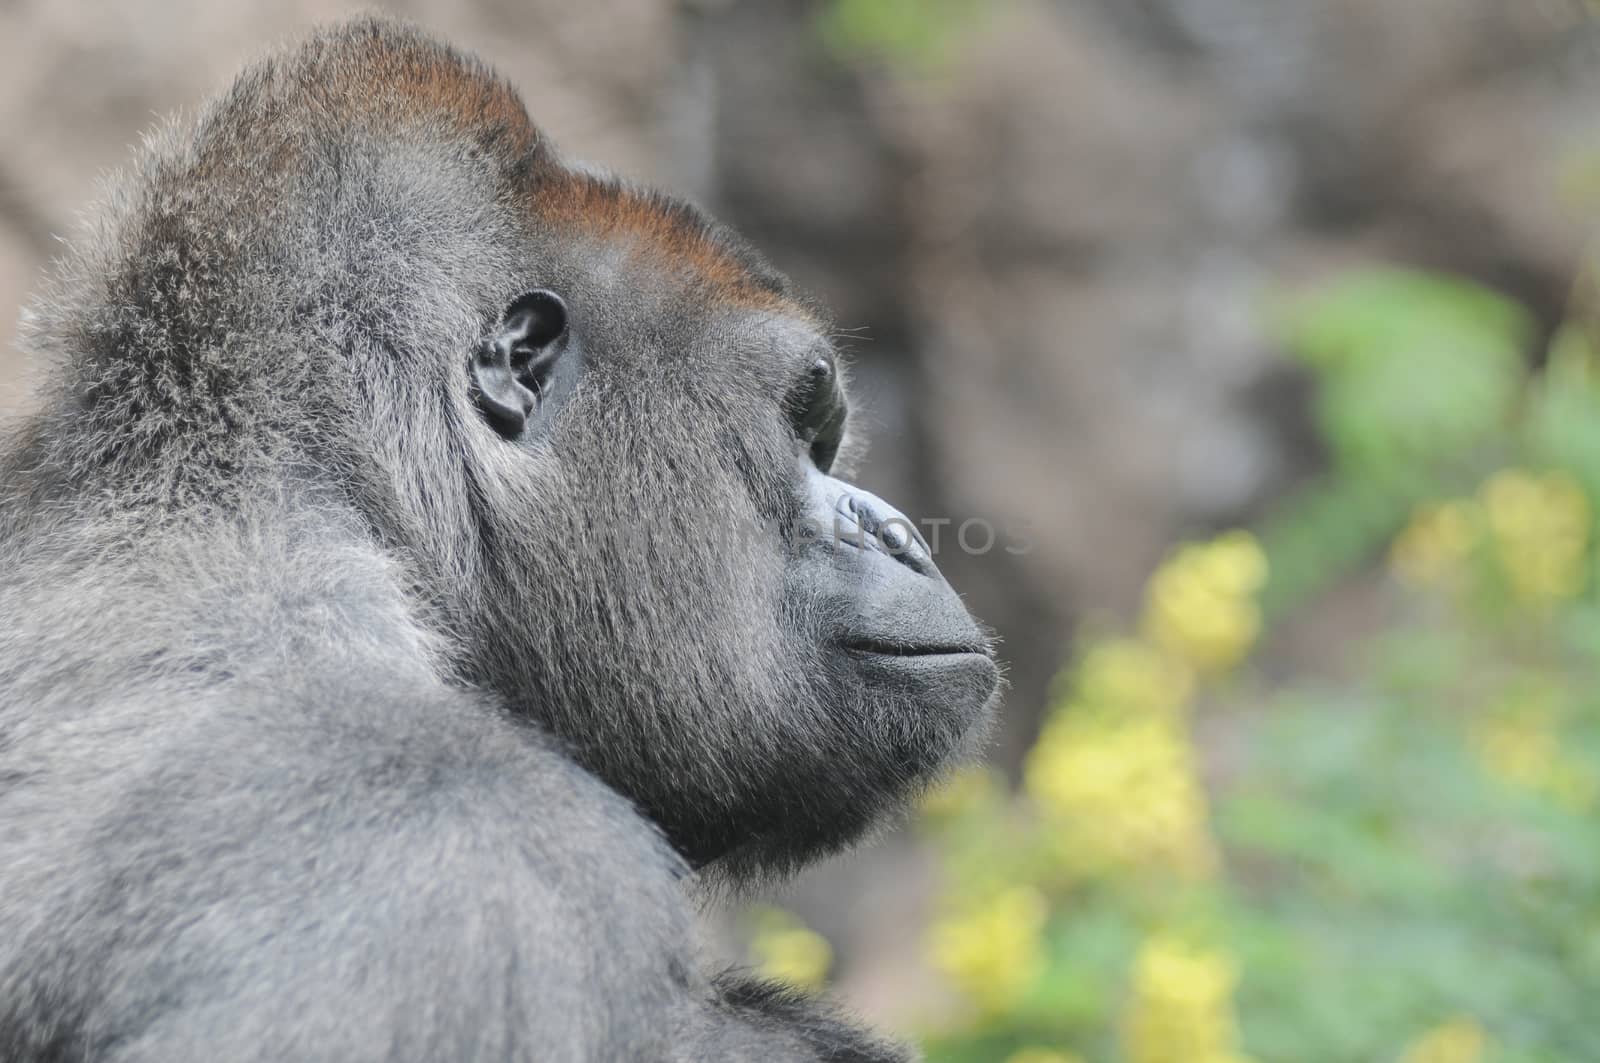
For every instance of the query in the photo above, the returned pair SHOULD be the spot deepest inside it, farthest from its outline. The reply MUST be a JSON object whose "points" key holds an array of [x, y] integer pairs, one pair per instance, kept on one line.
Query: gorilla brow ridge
{"points": [[676, 233]]}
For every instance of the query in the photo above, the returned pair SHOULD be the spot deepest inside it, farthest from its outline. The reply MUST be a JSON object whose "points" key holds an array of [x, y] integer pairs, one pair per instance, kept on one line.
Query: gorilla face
{"points": [[760, 654]]}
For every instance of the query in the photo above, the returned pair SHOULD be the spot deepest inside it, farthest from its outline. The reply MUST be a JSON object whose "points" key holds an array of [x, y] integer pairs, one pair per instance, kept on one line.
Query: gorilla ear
{"points": [[511, 368]]}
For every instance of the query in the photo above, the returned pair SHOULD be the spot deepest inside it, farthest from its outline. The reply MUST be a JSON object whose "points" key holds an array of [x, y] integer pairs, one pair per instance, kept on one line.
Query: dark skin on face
{"points": [[431, 557]]}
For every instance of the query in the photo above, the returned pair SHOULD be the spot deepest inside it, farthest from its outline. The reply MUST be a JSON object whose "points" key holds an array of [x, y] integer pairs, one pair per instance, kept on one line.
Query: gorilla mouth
{"points": [[889, 648]]}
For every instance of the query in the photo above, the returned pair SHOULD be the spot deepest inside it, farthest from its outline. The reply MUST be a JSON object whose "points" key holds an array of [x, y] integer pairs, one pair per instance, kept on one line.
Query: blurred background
{"points": [[1264, 334]]}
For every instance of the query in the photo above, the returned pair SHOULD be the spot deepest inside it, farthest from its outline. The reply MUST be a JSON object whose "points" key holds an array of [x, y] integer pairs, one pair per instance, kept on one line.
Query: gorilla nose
{"points": [[864, 520]]}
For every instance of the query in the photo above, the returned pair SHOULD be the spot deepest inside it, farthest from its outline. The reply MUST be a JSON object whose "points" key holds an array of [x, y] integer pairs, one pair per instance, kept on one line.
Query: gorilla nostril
{"points": [[865, 527]]}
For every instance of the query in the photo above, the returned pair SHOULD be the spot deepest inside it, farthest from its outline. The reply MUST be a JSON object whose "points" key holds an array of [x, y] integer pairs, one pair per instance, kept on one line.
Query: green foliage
{"points": [[912, 34], [1418, 381], [1400, 865], [1562, 429], [1391, 868]]}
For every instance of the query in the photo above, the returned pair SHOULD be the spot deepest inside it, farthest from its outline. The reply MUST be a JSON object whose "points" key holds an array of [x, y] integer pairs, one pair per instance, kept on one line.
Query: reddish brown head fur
{"points": [[385, 77]]}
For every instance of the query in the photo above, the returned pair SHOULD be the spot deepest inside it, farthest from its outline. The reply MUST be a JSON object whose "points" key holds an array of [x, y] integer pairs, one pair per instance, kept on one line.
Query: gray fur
{"points": [[332, 725]]}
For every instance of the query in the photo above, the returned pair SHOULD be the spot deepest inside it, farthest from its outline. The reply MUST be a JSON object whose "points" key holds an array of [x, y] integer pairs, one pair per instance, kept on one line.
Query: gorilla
{"points": [[426, 577]]}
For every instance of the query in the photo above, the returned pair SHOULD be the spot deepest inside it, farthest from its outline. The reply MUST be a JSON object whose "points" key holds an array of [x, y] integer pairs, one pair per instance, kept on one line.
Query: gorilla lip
{"points": [[887, 648]]}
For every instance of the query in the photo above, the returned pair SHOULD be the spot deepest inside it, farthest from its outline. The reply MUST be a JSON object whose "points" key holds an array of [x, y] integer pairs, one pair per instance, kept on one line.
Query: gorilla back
{"points": [[427, 563]]}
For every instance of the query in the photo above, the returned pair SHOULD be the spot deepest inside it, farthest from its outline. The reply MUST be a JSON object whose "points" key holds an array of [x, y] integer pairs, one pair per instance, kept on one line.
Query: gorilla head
{"points": [[758, 653], [761, 655], [593, 435], [670, 575]]}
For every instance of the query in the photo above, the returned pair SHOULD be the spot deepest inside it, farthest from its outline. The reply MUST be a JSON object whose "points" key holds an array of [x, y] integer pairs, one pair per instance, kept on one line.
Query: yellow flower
{"points": [[1181, 1006], [786, 951], [1200, 605], [1457, 1041], [1121, 795], [1540, 526], [1234, 561], [1133, 677], [1521, 746], [995, 951], [1433, 550], [1043, 1055]]}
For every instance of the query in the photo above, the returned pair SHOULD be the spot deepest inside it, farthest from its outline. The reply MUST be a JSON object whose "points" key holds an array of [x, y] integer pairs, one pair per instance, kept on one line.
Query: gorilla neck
{"points": [[249, 585]]}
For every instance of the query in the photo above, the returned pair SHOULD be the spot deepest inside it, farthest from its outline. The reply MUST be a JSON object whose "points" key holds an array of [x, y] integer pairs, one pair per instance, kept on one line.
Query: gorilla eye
{"points": [[817, 410]]}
